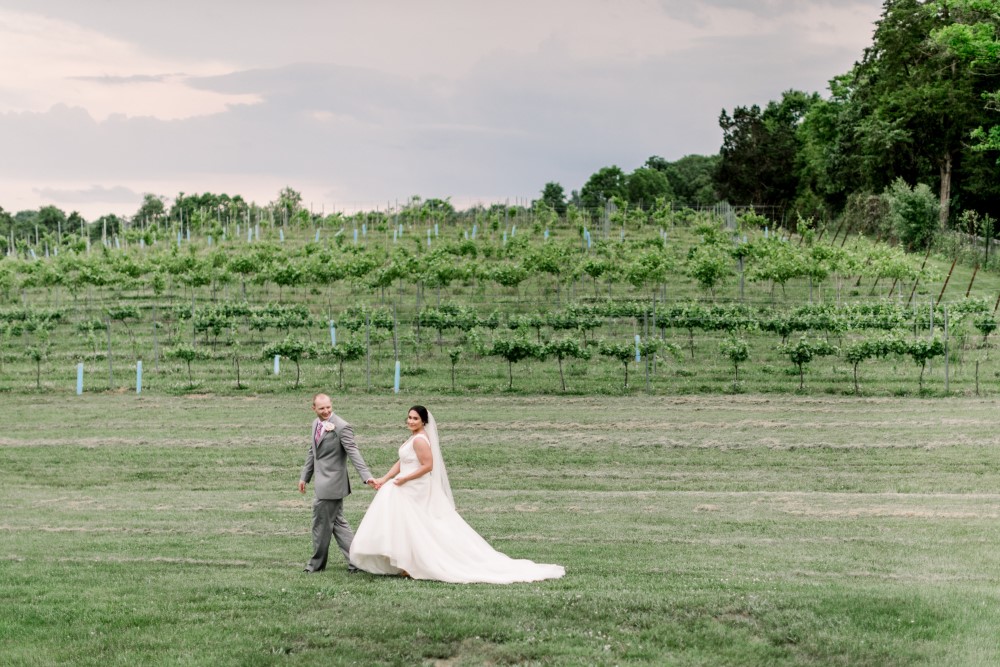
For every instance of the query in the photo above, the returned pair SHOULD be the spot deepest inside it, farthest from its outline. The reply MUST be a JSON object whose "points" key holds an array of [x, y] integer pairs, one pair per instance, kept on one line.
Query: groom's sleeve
{"points": [[307, 469], [347, 441]]}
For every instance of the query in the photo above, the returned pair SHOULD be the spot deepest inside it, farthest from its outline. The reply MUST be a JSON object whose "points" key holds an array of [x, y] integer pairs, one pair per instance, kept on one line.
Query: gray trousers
{"points": [[328, 520]]}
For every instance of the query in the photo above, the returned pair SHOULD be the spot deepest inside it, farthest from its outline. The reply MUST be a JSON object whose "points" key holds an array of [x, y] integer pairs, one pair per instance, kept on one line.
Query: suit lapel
{"points": [[323, 434]]}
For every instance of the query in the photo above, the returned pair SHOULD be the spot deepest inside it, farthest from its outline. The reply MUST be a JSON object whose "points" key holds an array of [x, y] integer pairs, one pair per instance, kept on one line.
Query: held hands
{"points": [[382, 481], [374, 483]]}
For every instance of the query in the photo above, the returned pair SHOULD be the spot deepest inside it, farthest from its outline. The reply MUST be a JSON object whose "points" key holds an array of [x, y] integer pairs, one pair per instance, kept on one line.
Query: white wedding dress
{"points": [[415, 528]]}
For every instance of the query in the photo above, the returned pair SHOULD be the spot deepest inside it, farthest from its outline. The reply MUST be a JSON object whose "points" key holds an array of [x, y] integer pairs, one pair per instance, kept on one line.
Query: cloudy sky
{"points": [[363, 103]]}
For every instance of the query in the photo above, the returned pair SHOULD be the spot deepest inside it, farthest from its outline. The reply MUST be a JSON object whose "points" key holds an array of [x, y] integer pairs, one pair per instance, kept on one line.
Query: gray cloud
{"points": [[694, 12], [95, 193], [511, 123], [125, 80]]}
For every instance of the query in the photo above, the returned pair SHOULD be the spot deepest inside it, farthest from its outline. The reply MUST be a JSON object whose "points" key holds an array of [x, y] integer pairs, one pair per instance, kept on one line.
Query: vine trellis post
{"points": [[111, 373], [395, 337], [156, 348], [368, 351], [946, 349]]}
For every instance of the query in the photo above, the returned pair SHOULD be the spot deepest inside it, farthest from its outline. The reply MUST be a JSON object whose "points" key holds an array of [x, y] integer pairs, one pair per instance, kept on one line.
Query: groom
{"points": [[332, 444]]}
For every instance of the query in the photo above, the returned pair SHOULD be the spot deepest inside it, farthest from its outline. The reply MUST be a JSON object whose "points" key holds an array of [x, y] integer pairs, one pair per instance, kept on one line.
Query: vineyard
{"points": [[658, 301]]}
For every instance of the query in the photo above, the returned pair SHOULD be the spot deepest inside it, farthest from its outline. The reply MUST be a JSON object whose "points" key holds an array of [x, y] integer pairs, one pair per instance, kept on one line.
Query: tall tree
{"points": [[691, 178], [554, 197], [973, 38], [288, 200], [825, 135], [645, 185], [6, 223], [110, 223], [75, 222], [759, 158], [606, 183], [50, 218], [915, 105], [152, 208], [198, 208]]}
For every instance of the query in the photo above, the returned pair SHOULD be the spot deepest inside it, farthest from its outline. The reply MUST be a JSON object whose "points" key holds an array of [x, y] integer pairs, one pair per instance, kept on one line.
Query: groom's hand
{"points": [[302, 486], [372, 483]]}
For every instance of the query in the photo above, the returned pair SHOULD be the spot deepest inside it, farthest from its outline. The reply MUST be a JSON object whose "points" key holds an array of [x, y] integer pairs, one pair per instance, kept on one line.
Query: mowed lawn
{"points": [[718, 530]]}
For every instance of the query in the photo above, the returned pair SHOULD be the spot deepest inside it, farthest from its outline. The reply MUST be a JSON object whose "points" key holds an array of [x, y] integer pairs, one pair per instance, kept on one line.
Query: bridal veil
{"points": [[441, 495]]}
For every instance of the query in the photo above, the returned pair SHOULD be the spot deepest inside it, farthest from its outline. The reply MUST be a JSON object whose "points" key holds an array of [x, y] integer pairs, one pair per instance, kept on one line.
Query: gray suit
{"points": [[326, 460]]}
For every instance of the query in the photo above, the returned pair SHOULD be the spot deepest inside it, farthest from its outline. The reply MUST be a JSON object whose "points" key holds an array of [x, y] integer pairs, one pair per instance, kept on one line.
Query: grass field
{"points": [[708, 530]]}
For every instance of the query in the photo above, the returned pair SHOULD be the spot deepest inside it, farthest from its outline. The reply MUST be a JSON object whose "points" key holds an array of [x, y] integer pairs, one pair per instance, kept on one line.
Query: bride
{"points": [[412, 528]]}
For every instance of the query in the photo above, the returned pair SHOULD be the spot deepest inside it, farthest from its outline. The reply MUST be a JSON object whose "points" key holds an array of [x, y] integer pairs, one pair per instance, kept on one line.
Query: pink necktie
{"points": [[319, 432]]}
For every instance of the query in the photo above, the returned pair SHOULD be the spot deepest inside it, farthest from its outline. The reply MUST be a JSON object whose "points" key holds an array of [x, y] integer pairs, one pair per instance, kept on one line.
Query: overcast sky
{"points": [[363, 103]]}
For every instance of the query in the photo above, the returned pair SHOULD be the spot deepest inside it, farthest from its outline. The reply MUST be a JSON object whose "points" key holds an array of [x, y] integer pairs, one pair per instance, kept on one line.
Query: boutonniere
{"points": [[328, 426]]}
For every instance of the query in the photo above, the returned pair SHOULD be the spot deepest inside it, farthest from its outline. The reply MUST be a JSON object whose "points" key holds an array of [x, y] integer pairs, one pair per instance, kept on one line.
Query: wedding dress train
{"points": [[415, 528]]}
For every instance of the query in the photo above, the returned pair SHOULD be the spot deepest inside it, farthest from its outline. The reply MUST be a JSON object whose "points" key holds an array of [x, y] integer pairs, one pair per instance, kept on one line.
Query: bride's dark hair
{"points": [[421, 412]]}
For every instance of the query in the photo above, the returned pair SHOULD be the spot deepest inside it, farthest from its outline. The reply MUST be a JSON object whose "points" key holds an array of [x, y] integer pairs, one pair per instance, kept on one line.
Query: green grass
{"points": [[720, 530]]}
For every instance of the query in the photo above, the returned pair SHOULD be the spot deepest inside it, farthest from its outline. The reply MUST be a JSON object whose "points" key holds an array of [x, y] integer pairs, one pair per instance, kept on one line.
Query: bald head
{"points": [[322, 406]]}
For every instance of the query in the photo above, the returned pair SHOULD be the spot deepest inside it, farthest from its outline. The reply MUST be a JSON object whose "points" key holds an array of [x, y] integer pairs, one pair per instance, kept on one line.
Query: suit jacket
{"points": [[327, 460]]}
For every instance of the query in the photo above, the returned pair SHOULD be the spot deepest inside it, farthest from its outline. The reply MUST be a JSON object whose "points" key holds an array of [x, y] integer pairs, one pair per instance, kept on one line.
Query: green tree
{"points": [[245, 264], [646, 268], [110, 223], [125, 313], [737, 350], [151, 209], [759, 162], [508, 274], [710, 265], [554, 197], [50, 219], [914, 212], [645, 185], [911, 104], [863, 350], [691, 178], [6, 227], [774, 260], [186, 353], [804, 351], [986, 323], [288, 274], [922, 351], [346, 351], [291, 348], [622, 352], [198, 209], [551, 259], [38, 353], [606, 183], [236, 353], [288, 203], [514, 350], [454, 355], [566, 348], [973, 39]]}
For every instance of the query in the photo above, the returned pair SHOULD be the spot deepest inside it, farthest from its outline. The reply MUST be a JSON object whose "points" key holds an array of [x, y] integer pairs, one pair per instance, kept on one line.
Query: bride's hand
{"points": [[399, 481]]}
